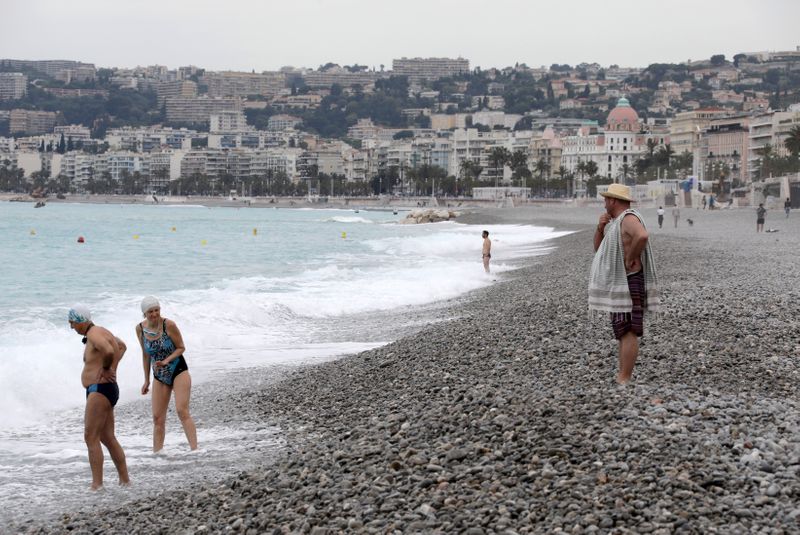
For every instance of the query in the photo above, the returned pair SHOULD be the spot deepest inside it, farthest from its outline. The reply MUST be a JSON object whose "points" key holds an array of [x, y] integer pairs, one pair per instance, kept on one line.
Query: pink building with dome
{"points": [[614, 149]]}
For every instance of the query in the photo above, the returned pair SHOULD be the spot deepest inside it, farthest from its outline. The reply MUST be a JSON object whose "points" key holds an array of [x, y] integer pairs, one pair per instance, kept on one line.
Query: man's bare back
{"points": [[632, 243]]}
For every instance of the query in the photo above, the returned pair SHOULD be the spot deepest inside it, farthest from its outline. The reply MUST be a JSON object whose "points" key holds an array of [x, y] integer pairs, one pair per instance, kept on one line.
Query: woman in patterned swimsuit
{"points": [[162, 349]]}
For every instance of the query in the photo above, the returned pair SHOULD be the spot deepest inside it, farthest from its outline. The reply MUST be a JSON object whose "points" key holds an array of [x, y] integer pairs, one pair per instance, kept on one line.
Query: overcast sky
{"points": [[268, 34]]}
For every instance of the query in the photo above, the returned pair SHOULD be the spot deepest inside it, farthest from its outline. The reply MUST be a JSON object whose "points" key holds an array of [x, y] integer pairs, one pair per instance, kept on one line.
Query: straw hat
{"points": [[618, 191]]}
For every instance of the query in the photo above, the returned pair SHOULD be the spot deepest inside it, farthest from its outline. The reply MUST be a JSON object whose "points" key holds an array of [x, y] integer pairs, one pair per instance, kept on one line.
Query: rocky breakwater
{"points": [[428, 216], [507, 419]]}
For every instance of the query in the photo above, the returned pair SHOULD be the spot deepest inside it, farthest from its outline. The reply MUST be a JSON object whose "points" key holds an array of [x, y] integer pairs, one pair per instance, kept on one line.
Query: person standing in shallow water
{"points": [[162, 349], [623, 279], [101, 357], [487, 250]]}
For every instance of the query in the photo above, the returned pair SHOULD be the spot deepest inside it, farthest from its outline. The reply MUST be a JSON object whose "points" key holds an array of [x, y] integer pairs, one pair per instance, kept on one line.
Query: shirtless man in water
{"points": [[487, 250], [99, 377]]}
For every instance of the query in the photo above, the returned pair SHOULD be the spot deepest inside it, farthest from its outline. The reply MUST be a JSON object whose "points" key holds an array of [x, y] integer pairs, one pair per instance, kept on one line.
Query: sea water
{"points": [[249, 288]]}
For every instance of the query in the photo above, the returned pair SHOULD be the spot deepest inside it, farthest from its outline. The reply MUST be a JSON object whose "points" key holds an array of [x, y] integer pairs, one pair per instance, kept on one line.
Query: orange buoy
{"points": [[80, 239]]}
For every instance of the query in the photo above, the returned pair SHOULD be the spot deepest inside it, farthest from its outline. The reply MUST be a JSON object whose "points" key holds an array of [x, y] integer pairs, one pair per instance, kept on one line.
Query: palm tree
{"points": [[651, 147], [591, 168], [519, 166], [581, 169], [765, 162], [664, 156], [543, 168], [498, 157], [624, 172], [564, 177], [792, 143]]}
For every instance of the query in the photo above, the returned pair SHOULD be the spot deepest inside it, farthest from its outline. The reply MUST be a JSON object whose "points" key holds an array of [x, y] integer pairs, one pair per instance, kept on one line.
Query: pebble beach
{"points": [[503, 415]]}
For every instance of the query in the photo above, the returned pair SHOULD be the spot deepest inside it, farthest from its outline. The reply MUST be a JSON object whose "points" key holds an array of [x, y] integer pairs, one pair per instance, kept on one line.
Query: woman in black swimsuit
{"points": [[162, 349]]}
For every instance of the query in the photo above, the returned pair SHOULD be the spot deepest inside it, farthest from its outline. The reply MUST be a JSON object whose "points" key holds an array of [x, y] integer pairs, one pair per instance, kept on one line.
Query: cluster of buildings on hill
{"points": [[732, 134]]}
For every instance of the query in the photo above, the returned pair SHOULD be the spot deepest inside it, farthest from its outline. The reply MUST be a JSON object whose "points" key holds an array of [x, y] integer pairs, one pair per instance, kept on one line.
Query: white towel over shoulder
{"points": [[608, 281]]}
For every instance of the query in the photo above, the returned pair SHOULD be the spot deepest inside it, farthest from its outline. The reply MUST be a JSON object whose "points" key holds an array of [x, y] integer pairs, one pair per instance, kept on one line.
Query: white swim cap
{"points": [[79, 313], [148, 303]]}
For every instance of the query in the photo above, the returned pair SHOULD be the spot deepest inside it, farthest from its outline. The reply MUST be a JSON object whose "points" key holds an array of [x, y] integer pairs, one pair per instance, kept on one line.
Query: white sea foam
{"points": [[346, 219]]}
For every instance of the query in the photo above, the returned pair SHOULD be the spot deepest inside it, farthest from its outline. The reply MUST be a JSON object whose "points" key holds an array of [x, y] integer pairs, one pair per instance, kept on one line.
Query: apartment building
{"points": [[64, 70], [150, 139], [31, 122], [493, 102], [242, 164], [125, 82], [199, 110], [363, 129], [160, 168], [297, 102], [117, 164], [471, 144], [445, 121], [247, 139], [494, 119], [77, 167], [770, 129], [430, 69], [685, 128], [13, 85], [76, 93], [228, 121], [342, 78], [330, 161], [242, 84], [177, 88], [547, 148], [723, 150], [72, 133], [283, 122]]}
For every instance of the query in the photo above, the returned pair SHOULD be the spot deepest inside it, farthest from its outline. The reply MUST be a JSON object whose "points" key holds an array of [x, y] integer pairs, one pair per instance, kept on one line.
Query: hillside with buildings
{"points": [[425, 126]]}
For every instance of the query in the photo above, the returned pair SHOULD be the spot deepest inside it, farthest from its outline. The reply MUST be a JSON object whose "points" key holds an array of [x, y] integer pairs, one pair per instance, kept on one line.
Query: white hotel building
{"points": [[621, 143]]}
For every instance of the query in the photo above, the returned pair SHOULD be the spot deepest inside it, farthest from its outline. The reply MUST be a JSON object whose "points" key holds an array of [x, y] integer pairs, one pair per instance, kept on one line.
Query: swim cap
{"points": [[148, 303], [79, 314]]}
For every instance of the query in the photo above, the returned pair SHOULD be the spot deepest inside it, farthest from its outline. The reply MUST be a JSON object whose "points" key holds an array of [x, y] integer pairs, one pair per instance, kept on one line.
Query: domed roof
{"points": [[623, 117]]}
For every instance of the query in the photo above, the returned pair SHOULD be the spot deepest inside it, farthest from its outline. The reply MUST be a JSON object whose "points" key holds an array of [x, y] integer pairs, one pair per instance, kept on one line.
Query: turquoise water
{"points": [[131, 248], [246, 286]]}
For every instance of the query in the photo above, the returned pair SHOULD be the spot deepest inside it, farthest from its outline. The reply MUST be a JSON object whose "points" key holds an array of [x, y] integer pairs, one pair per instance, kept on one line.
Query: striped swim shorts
{"points": [[633, 321]]}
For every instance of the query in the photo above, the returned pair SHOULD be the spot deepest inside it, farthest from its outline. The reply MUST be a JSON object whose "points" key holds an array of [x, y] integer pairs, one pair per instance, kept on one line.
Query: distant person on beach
{"points": [[660, 213], [487, 250], [761, 212], [162, 349], [704, 201], [676, 215], [787, 206], [711, 202], [623, 279], [101, 356]]}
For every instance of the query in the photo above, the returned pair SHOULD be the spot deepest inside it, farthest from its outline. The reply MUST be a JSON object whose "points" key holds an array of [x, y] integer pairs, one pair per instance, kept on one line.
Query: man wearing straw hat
{"points": [[623, 279]]}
